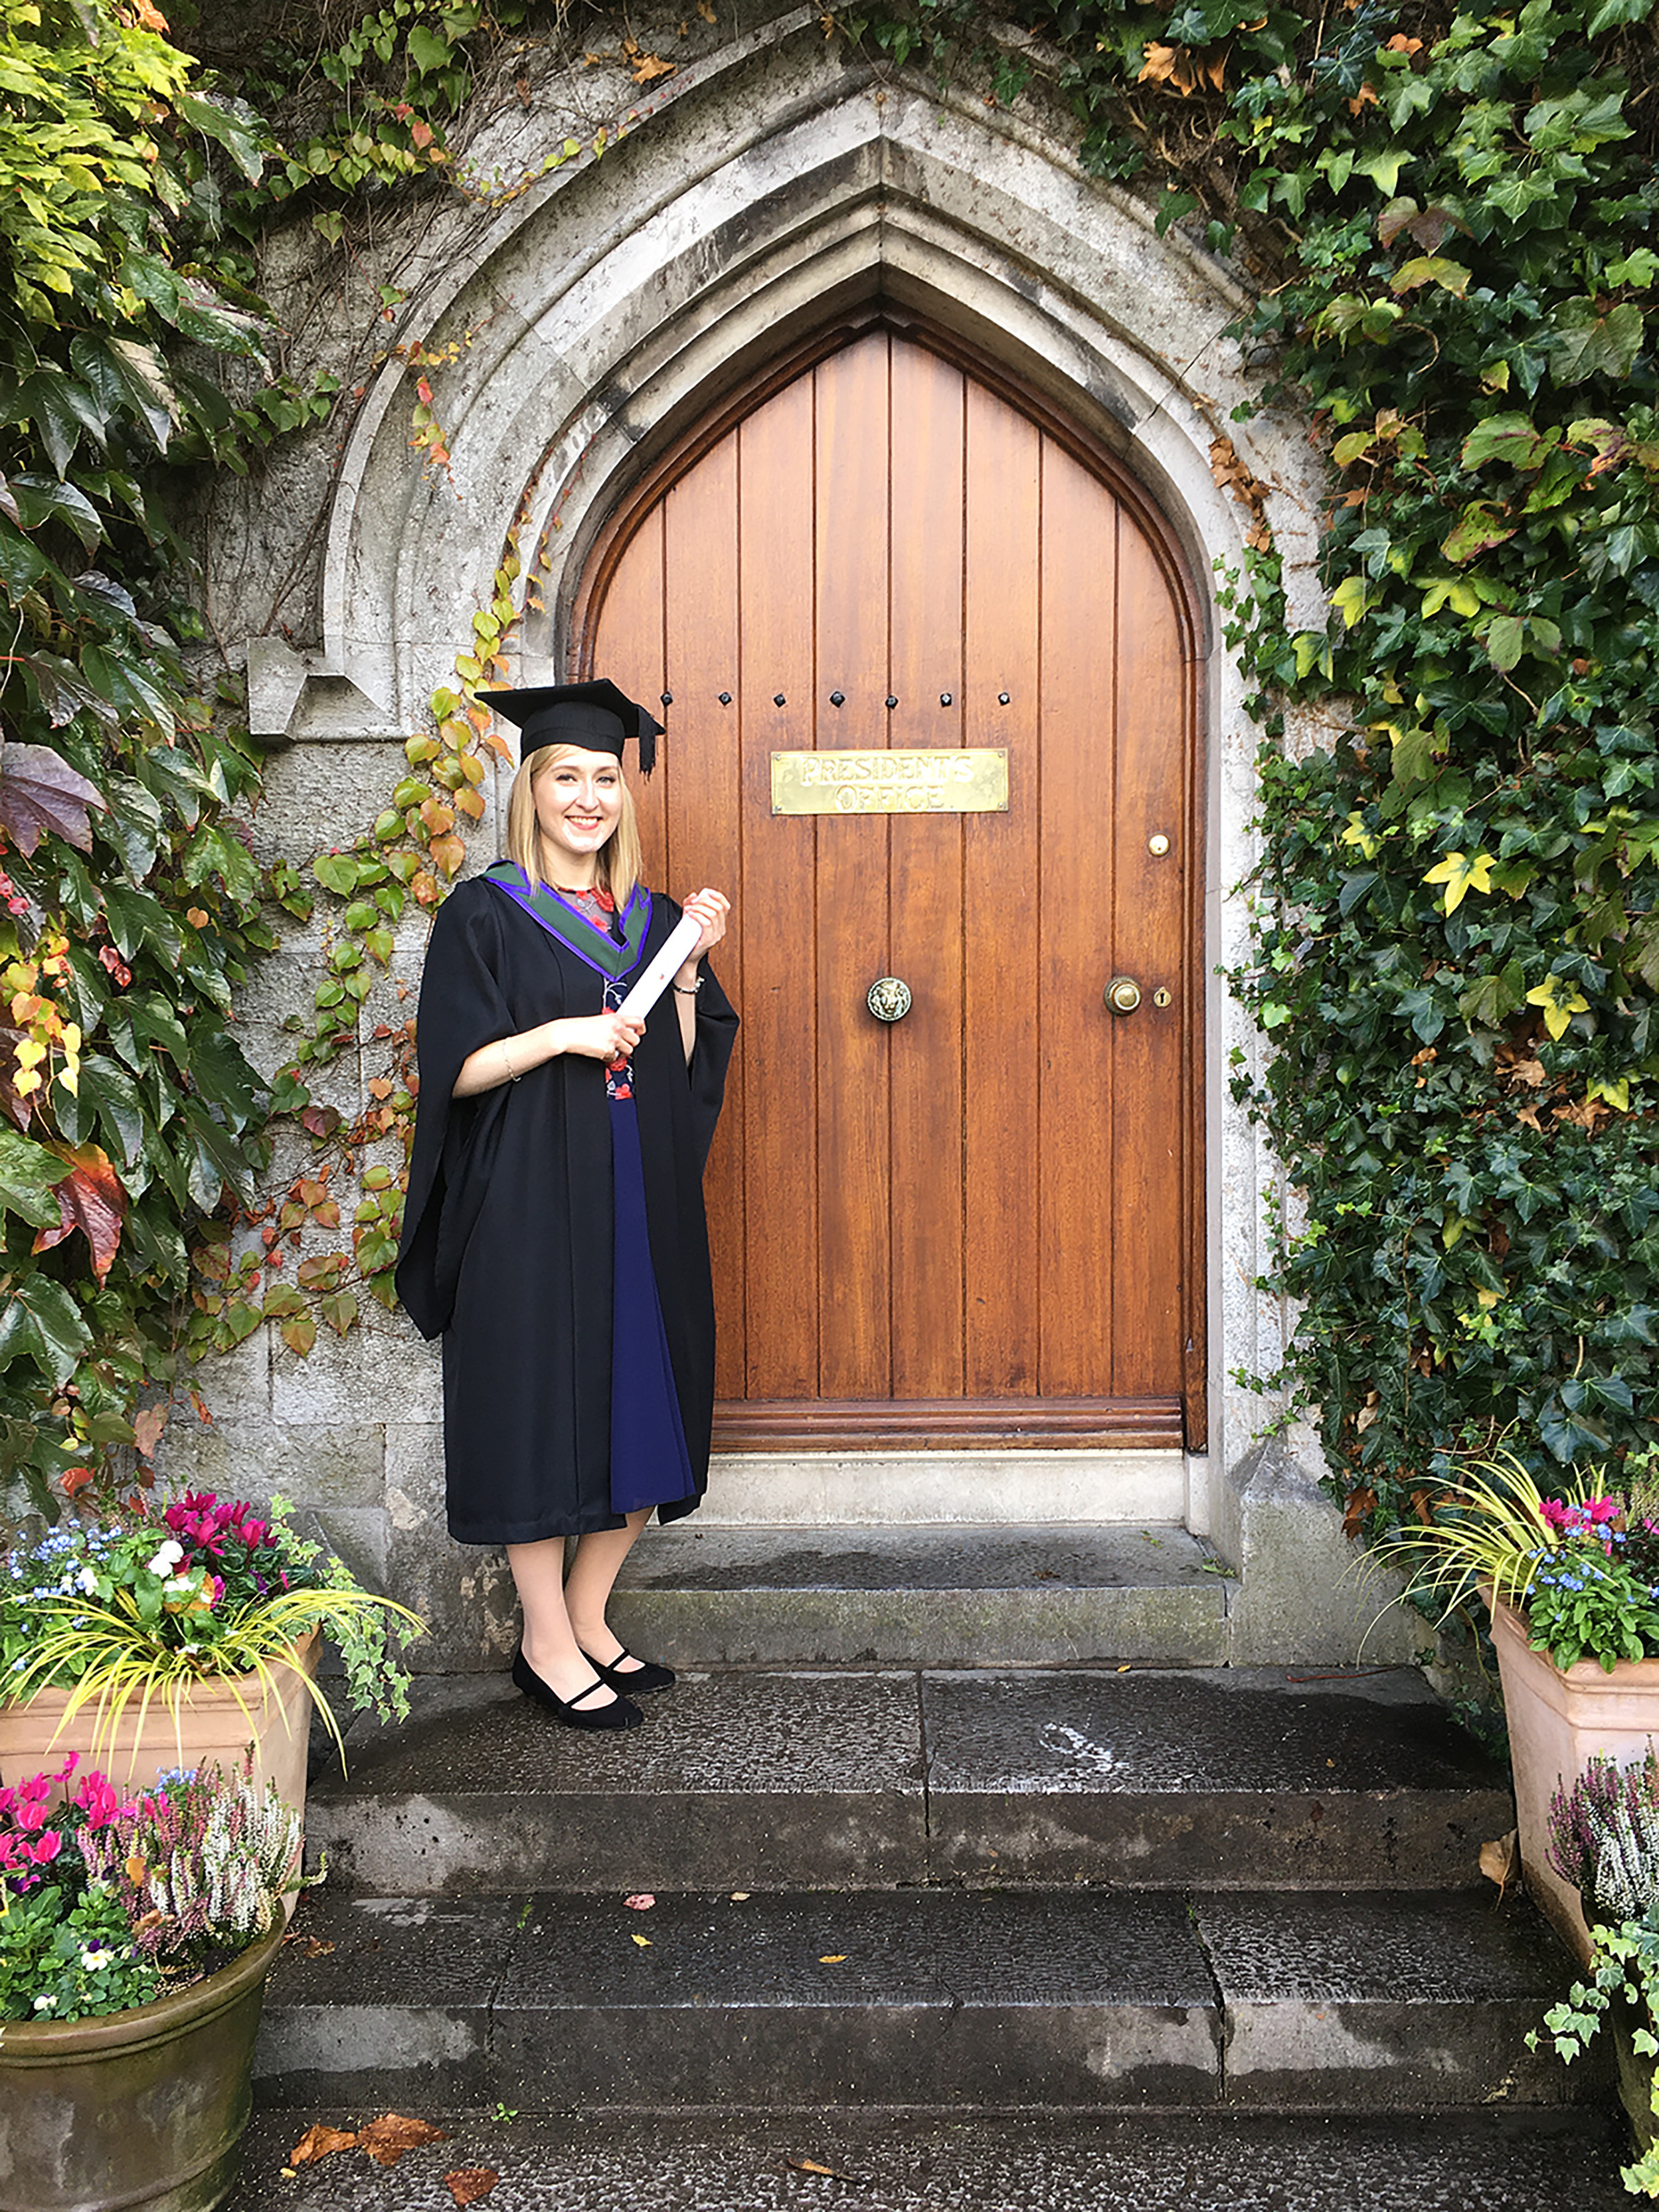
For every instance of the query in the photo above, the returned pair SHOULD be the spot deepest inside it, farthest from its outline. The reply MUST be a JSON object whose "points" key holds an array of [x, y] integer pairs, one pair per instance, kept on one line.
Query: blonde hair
{"points": [[620, 858]]}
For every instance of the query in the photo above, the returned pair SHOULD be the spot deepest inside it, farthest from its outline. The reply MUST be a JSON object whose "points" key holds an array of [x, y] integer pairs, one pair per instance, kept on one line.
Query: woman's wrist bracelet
{"points": [[507, 1060], [688, 990]]}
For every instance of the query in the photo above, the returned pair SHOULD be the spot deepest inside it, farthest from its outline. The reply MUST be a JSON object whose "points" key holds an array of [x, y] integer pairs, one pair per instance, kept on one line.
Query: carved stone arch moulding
{"points": [[614, 316]]}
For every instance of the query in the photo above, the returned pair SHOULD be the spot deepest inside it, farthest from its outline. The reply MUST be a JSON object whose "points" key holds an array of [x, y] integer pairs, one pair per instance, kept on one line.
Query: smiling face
{"points": [[579, 803]]}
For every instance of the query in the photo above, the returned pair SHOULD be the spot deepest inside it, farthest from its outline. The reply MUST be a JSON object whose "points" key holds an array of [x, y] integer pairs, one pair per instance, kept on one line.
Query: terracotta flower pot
{"points": [[143, 2110], [1556, 1718], [213, 1721]]}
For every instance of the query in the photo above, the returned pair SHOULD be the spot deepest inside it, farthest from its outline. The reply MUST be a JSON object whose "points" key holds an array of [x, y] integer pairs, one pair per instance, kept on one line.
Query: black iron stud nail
{"points": [[892, 702], [837, 698], [777, 698], [668, 698], [1002, 698], [943, 698], [725, 698]]}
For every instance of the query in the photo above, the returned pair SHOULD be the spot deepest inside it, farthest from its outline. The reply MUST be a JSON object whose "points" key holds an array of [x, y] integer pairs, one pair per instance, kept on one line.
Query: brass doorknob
{"points": [[1123, 995], [888, 998]]}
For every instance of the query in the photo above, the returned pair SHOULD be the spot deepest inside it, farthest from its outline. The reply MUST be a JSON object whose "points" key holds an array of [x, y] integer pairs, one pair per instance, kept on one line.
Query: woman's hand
{"points": [[710, 909], [599, 1037]]}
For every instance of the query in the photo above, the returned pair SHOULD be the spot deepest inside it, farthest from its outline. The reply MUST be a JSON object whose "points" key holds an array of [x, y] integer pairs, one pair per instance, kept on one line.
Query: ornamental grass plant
{"points": [[1579, 1564], [135, 1605], [106, 1904]]}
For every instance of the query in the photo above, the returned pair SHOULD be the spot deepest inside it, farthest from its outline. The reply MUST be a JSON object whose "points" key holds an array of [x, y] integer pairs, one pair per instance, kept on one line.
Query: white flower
{"points": [[94, 1961], [88, 1581], [44, 2002], [167, 1558]]}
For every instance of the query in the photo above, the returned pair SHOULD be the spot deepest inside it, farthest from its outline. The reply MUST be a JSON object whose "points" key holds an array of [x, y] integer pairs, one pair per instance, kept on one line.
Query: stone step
{"points": [[1163, 2162], [994, 2000], [1176, 1779], [931, 1597]]}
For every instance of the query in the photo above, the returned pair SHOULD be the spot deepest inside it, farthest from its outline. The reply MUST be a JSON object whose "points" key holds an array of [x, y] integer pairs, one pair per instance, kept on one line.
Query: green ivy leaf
{"points": [[1433, 269], [1585, 343], [40, 1320], [1509, 438], [1479, 527], [28, 1174]]}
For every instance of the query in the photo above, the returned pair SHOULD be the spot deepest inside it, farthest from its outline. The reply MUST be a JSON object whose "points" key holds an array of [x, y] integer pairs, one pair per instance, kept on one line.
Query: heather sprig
{"points": [[200, 1866], [1603, 1834]]}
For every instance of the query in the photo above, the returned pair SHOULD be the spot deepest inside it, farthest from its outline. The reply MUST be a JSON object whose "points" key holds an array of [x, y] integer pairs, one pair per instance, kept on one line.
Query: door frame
{"points": [[1073, 1424]]}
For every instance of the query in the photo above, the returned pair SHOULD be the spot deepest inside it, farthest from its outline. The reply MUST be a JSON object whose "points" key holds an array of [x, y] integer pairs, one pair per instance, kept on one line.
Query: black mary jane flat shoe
{"points": [[644, 1675], [575, 1713]]}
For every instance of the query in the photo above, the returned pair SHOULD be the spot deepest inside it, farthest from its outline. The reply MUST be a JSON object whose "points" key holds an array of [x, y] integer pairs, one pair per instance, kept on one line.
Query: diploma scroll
{"points": [[653, 981]]}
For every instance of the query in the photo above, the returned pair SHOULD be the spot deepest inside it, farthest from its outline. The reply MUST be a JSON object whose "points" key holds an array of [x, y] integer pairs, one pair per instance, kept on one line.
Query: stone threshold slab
{"points": [[1144, 1778], [932, 1997], [923, 1596]]}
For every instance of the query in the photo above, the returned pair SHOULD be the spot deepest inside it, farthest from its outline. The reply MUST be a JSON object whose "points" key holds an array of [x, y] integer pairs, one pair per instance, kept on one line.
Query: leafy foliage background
{"points": [[1444, 218]]}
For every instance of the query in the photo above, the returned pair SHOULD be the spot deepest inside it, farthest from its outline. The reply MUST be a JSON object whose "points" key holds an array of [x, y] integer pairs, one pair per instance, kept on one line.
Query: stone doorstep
{"points": [[925, 1596], [991, 1999], [1530, 2162], [1184, 1778]]}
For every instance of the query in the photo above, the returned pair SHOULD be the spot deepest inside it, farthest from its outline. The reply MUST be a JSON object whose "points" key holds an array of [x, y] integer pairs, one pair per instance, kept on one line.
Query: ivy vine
{"points": [[138, 191]]}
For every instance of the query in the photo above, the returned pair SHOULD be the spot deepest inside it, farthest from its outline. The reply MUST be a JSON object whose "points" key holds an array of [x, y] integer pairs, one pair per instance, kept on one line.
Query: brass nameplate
{"points": [[921, 782]]}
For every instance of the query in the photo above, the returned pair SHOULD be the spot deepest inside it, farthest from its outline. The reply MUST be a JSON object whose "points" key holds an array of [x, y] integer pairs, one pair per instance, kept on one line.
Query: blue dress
{"points": [[650, 1464]]}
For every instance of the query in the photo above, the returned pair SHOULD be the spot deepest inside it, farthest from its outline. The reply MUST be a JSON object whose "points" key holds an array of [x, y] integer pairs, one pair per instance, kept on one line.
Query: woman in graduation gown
{"points": [[553, 1230]]}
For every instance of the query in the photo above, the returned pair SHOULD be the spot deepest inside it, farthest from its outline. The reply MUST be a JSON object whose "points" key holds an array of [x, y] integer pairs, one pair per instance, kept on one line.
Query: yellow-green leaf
{"points": [[1349, 599], [1460, 874], [1453, 592], [1561, 1001]]}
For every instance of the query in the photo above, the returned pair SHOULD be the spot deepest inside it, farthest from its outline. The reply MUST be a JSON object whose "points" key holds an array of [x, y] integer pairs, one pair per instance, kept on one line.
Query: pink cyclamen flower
{"points": [[46, 1848]]}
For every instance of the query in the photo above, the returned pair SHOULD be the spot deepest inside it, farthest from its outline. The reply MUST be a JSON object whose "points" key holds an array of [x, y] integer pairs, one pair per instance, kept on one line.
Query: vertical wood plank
{"points": [[778, 915], [853, 946], [1148, 936], [704, 807], [628, 647], [925, 668], [1002, 889], [1076, 1106]]}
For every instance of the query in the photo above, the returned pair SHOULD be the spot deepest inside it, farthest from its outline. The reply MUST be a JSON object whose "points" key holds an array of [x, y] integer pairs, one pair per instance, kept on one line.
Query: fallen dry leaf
{"points": [[811, 2166], [833, 1958], [642, 1903], [1498, 1860], [644, 1942], [311, 1947], [469, 2185], [386, 2139], [317, 2143], [740, 1897]]}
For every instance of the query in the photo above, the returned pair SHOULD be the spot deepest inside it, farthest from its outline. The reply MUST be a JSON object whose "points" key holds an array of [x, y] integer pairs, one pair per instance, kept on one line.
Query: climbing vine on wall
{"points": [[134, 1132], [1448, 216]]}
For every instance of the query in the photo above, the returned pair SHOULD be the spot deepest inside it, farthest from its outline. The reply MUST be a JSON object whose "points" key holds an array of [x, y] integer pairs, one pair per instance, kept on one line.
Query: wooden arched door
{"points": [[979, 1222]]}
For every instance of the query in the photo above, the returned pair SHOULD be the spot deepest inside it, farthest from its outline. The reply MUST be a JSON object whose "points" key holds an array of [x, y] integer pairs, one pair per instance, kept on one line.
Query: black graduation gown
{"points": [[507, 1240]]}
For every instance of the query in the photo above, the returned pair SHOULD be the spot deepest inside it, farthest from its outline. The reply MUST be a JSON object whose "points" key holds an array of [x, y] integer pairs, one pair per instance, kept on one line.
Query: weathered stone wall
{"points": [[594, 312]]}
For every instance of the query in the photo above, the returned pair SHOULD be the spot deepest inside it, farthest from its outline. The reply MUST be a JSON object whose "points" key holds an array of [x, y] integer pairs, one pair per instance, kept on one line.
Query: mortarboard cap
{"points": [[596, 716]]}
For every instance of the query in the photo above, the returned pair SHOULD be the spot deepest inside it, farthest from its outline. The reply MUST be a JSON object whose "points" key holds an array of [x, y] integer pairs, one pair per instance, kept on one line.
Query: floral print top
{"points": [[597, 907]]}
